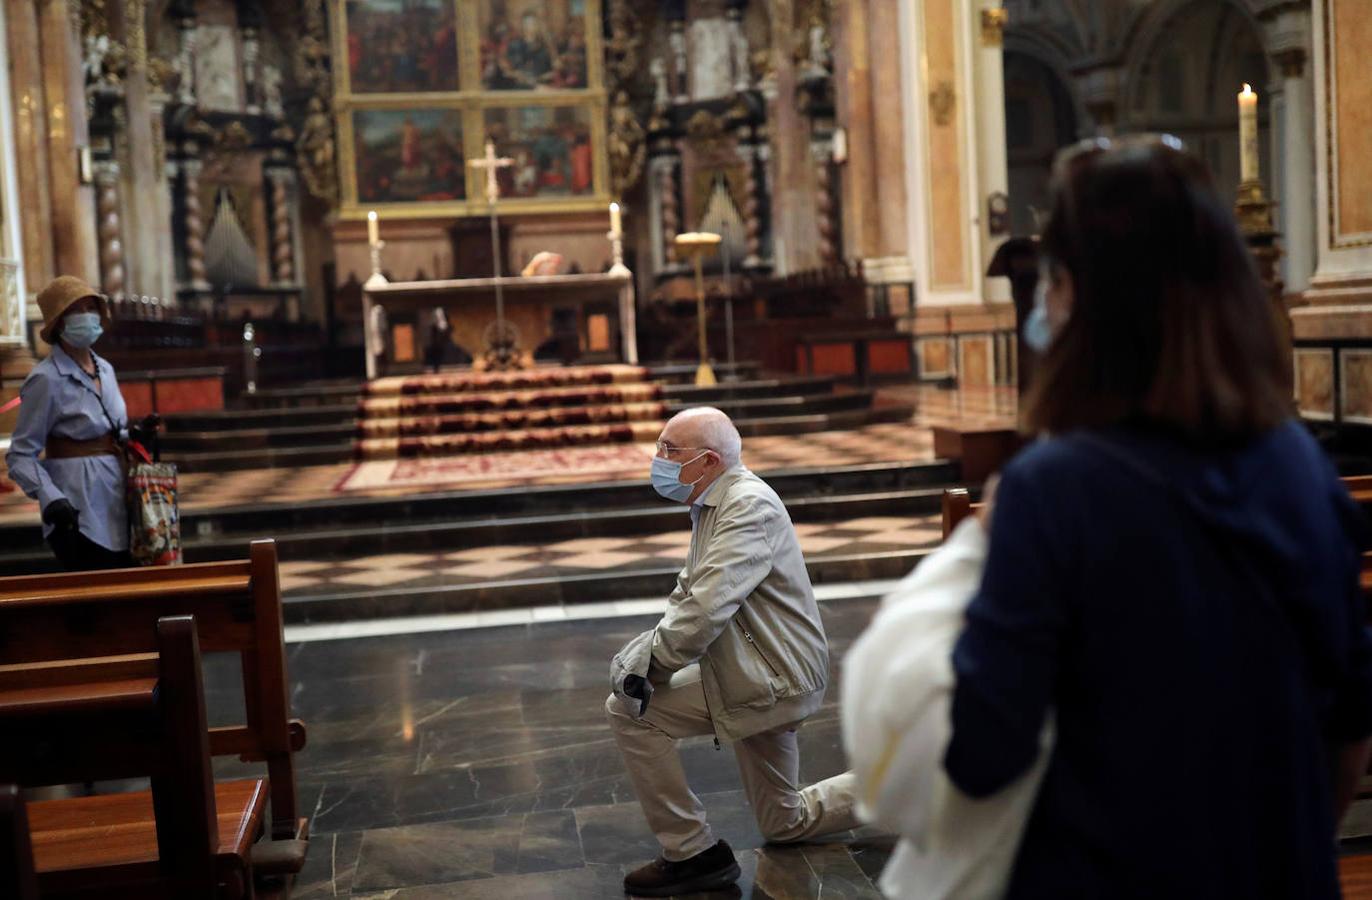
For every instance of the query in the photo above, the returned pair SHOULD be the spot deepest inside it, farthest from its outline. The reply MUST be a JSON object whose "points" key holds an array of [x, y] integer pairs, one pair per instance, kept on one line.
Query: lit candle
{"points": [[373, 230], [1248, 135], [616, 224]]}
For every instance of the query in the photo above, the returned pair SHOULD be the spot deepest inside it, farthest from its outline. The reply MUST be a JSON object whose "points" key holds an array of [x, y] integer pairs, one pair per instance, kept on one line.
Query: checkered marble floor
{"points": [[871, 534], [201, 490]]}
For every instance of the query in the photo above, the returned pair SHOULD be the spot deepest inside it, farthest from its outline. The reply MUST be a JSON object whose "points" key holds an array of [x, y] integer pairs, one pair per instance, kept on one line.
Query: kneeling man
{"points": [[740, 654]]}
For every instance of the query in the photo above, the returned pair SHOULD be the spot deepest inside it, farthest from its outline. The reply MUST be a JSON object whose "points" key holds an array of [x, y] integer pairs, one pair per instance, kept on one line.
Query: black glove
{"points": [[637, 686], [61, 515], [146, 430]]}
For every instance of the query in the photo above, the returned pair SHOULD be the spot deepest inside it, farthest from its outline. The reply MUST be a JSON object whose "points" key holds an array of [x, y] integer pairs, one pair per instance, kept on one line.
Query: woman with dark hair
{"points": [[1172, 569]]}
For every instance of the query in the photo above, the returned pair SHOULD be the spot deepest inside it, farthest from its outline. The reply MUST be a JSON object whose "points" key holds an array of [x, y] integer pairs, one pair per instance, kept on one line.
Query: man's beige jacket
{"points": [[744, 609]]}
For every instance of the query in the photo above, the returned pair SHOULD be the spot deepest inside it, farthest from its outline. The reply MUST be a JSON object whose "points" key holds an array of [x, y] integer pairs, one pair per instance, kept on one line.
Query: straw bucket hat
{"points": [[55, 299]]}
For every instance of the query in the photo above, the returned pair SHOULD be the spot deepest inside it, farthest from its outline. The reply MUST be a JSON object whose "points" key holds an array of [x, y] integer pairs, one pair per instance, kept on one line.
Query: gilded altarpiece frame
{"points": [[527, 73]]}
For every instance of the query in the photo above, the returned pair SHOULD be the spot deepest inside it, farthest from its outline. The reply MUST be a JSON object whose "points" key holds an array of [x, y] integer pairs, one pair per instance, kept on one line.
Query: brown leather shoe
{"points": [[709, 870]]}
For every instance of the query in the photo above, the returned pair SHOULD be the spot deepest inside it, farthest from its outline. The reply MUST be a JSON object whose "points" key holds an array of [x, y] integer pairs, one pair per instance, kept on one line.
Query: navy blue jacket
{"points": [[1194, 620]]}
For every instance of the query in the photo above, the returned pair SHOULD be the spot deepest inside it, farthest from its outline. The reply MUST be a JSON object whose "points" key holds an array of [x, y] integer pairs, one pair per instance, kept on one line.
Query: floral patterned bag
{"points": [[154, 522]]}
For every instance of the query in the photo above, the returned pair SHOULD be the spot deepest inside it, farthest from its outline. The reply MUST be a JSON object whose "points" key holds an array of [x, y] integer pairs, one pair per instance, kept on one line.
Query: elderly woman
{"points": [[72, 413]]}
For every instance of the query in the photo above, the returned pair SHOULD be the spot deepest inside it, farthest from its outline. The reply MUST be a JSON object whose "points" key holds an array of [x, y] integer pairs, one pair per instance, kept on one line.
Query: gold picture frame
{"points": [[557, 105]]}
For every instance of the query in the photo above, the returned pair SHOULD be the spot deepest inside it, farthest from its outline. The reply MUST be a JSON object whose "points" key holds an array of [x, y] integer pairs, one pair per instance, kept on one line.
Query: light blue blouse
{"points": [[59, 398]]}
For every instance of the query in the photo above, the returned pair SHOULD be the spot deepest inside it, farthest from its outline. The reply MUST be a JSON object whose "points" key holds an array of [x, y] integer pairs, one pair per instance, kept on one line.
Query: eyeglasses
{"points": [[664, 449]]}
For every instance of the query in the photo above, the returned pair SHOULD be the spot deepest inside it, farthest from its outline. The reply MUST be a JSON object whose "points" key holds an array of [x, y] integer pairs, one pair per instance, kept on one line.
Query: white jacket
{"points": [[897, 690]]}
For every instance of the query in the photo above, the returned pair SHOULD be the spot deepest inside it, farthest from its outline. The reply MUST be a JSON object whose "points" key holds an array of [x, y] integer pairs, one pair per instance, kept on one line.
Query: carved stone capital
{"points": [[993, 27], [1291, 61]]}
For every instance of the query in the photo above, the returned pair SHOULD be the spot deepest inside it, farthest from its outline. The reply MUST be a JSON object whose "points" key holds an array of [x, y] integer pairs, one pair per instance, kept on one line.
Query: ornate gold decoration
{"points": [[160, 72], [234, 137], [625, 141], [626, 145], [316, 150], [705, 131], [993, 27], [316, 154], [136, 35], [943, 101]]}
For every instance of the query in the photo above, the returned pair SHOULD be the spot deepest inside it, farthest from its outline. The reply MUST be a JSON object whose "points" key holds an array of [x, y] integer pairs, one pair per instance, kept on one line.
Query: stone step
{"points": [[337, 451], [455, 520], [315, 430], [562, 589]]}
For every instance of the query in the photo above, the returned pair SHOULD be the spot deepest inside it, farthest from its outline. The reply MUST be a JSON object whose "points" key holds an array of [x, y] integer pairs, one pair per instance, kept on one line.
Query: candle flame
{"points": [[1246, 88], [614, 207], [372, 215]]}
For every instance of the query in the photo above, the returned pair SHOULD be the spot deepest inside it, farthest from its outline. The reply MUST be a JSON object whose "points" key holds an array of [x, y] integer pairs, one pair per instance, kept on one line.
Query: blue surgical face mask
{"points": [[82, 329], [666, 476], [1038, 333]]}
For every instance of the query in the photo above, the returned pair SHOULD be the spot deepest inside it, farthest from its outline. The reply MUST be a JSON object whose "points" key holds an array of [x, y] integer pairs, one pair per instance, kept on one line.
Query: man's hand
{"points": [[61, 515], [636, 686]]}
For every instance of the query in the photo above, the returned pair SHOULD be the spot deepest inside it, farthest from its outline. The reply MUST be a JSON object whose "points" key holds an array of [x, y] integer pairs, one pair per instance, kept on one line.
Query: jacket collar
{"points": [[715, 491]]}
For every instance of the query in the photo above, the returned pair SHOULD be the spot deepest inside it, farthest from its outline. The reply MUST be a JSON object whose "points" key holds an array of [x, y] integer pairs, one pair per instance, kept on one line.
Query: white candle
{"points": [[1248, 135], [616, 224], [373, 230]]}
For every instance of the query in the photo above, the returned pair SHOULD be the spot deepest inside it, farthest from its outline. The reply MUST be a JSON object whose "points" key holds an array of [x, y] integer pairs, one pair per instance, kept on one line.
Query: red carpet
{"points": [[608, 462], [464, 382]]}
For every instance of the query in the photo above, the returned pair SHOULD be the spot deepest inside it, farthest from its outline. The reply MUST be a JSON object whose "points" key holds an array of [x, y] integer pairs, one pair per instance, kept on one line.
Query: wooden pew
{"points": [[17, 878], [126, 718], [237, 607]]}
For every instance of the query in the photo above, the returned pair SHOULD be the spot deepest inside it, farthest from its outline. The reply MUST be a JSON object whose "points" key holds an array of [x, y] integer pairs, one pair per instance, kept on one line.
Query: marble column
{"points": [[795, 234], [853, 99], [15, 357], [73, 199], [942, 159], [1336, 382], [993, 168], [1287, 30], [25, 75]]}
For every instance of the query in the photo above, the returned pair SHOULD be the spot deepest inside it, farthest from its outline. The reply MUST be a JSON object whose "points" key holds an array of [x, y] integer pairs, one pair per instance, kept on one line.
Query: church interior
{"points": [[410, 288]]}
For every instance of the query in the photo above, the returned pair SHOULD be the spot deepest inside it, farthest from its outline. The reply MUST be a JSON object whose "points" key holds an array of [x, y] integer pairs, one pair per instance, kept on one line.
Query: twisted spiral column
{"points": [[671, 220], [108, 230], [193, 238], [824, 210], [752, 214], [283, 249]]}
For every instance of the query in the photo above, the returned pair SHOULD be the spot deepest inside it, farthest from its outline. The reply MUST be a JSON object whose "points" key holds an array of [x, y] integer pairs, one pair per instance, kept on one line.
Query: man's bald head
{"points": [[706, 427]]}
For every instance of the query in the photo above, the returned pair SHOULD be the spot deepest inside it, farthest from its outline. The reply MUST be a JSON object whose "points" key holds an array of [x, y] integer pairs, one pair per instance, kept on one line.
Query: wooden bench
{"points": [[237, 608], [104, 719], [17, 878]]}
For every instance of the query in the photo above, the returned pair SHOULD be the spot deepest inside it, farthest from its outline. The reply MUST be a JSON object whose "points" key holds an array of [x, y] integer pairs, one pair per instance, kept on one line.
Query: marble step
{"points": [[289, 428], [346, 391], [233, 459], [337, 541], [564, 589]]}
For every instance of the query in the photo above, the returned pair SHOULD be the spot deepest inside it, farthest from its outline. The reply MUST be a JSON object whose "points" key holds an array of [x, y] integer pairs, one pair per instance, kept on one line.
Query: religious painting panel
{"points": [[535, 45], [401, 46], [551, 147], [408, 155]]}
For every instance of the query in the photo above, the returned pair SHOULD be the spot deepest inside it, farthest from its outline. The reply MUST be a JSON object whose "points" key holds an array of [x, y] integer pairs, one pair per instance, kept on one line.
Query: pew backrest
{"points": [[17, 878], [237, 608]]}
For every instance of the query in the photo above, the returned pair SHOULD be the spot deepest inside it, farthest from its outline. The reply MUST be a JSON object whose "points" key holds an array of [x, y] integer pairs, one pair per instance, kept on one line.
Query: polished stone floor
{"points": [[477, 763]]}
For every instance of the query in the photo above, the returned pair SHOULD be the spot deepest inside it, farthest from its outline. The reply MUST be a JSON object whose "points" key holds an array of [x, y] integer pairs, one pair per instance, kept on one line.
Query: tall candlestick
{"points": [[1248, 135], [373, 229], [616, 224]]}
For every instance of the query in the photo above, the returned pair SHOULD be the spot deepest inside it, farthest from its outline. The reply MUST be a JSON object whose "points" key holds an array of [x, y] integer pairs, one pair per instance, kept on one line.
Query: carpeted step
{"points": [[530, 379], [446, 403], [528, 439], [514, 419]]}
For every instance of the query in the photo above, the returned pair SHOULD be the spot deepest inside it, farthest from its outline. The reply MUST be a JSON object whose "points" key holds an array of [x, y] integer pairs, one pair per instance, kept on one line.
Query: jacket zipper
{"points": [[748, 635], [706, 694]]}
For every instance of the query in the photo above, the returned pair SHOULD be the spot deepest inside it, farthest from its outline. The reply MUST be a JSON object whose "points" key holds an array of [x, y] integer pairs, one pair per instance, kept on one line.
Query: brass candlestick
{"points": [[1254, 212], [698, 245]]}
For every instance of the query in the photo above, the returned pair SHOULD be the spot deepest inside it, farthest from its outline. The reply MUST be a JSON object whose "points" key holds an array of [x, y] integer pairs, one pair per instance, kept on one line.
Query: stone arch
{"points": [[1042, 114], [1183, 63]]}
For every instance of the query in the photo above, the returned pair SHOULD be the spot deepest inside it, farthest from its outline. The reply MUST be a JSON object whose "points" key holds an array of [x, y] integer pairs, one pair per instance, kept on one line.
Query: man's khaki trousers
{"points": [[769, 764]]}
